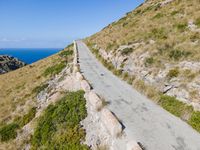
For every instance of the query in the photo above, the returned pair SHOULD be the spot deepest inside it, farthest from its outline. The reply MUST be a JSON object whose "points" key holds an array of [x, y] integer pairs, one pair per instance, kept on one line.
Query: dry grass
{"points": [[167, 26]]}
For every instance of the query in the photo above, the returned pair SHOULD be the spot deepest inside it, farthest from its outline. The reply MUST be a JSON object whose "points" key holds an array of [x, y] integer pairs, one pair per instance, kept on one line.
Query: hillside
{"points": [[155, 48], [38, 97], [8, 63]]}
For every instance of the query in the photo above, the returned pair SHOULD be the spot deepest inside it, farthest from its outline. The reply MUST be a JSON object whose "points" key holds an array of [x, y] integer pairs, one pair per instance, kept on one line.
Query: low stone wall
{"points": [[107, 118]]}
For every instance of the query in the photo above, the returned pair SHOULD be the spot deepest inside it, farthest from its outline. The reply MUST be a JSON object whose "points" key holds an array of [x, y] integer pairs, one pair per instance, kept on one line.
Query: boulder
{"points": [[79, 76], [111, 123], [85, 86], [132, 145], [94, 100]]}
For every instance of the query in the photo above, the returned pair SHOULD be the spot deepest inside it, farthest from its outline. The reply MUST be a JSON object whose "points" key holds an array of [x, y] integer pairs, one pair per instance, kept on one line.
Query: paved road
{"points": [[144, 121]]}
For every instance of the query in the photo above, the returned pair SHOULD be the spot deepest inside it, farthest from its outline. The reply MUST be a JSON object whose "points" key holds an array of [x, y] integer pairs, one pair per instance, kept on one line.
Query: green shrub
{"points": [[197, 22], [175, 106], [54, 69], [40, 88], [158, 33], [194, 121], [65, 53], [117, 72], [27, 118], [181, 27], [158, 15], [127, 51], [8, 132], [173, 73], [174, 12], [149, 61], [59, 127], [177, 54]]}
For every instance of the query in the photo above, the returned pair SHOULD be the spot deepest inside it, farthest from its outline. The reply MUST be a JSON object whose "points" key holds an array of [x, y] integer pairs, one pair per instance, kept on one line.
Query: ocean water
{"points": [[29, 55]]}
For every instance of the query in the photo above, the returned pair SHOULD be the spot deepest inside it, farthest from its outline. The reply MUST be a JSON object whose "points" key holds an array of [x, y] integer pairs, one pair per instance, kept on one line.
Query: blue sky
{"points": [[55, 23]]}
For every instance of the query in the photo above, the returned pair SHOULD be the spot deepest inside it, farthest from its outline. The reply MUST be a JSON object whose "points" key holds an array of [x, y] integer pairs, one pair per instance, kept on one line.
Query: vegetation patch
{"points": [[22, 121], [8, 132], [177, 54], [149, 61], [195, 120], [173, 73], [40, 88], [182, 27], [158, 33], [127, 51], [158, 15], [59, 127], [53, 70], [175, 106], [197, 22], [66, 53]]}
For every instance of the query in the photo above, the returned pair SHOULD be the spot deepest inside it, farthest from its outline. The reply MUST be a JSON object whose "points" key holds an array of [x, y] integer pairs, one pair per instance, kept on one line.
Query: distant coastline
{"points": [[29, 55]]}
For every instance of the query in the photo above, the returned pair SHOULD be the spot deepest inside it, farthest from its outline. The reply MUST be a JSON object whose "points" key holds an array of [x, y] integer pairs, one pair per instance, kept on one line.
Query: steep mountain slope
{"points": [[8, 63], [156, 48]]}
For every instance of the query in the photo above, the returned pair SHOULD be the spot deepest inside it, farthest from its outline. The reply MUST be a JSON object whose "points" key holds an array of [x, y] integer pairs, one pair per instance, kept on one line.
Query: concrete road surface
{"points": [[144, 121]]}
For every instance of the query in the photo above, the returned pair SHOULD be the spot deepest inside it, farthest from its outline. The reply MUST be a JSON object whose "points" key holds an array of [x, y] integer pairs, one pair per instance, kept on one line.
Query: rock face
{"points": [[8, 63]]}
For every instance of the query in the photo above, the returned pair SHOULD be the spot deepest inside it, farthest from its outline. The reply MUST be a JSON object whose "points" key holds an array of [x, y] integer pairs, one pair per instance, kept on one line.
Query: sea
{"points": [[29, 55]]}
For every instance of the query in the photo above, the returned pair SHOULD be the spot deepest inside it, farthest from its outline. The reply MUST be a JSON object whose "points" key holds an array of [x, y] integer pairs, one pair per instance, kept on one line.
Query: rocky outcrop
{"points": [[8, 63]]}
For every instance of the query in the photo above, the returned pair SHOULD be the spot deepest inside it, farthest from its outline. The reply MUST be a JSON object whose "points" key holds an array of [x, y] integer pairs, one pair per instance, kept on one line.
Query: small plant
{"points": [[8, 132], [181, 27], [40, 88], [158, 15], [149, 61], [54, 69], [117, 72], [197, 22], [194, 120], [127, 51], [65, 53], [173, 73], [27, 118], [158, 33], [174, 12], [177, 54]]}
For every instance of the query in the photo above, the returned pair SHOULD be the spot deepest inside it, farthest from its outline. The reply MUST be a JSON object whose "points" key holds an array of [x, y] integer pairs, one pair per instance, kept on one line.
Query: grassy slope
{"points": [[168, 27]]}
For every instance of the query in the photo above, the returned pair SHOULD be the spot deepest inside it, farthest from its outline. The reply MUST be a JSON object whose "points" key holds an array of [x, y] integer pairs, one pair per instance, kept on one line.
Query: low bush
{"points": [[194, 120], [158, 33], [197, 22], [158, 15], [8, 132], [177, 54], [175, 12], [27, 118], [181, 27], [54, 69], [175, 106], [59, 127], [149, 61], [66, 53], [40, 88], [173, 73], [127, 51]]}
